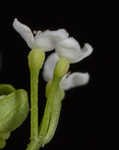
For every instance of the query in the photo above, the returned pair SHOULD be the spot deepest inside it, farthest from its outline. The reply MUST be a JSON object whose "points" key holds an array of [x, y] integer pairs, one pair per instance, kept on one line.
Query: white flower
{"points": [[64, 46], [46, 40], [69, 80], [59, 40], [70, 49]]}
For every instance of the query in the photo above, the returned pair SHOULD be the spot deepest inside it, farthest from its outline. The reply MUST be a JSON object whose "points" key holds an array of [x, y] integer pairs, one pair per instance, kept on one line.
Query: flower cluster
{"points": [[64, 46]]}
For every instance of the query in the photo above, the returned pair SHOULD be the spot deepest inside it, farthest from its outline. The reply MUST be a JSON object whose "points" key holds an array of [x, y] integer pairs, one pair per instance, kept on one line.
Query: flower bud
{"points": [[61, 68], [35, 59]]}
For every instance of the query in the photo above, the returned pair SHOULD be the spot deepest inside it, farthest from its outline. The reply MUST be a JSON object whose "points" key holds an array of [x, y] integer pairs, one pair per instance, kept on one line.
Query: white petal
{"points": [[24, 31], [85, 52], [74, 80], [70, 49], [47, 40], [49, 66]]}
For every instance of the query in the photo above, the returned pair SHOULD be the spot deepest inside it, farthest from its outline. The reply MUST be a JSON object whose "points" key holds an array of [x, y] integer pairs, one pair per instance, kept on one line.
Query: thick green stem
{"points": [[34, 103]]}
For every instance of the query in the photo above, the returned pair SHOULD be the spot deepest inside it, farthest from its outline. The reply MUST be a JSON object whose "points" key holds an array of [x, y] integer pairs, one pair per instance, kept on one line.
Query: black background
{"points": [[81, 117]]}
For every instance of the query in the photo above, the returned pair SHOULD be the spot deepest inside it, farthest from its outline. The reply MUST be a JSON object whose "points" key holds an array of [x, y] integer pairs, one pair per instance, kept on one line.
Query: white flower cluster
{"points": [[64, 46]]}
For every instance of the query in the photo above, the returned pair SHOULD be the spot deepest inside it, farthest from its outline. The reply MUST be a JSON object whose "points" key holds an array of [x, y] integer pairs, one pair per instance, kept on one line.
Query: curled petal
{"points": [[85, 52], [70, 49], [74, 80], [49, 66], [24, 31], [47, 40]]}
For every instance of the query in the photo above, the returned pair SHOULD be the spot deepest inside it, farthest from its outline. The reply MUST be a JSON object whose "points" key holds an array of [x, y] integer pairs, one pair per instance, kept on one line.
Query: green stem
{"points": [[48, 109], [46, 118], [34, 145], [34, 104], [53, 123], [52, 111]]}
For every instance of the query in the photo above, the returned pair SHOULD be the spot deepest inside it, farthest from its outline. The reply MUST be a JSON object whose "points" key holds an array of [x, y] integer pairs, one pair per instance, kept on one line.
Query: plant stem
{"points": [[52, 111], [53, 123], [34, 145], [46, 118], [44, 126], [34, 103]]}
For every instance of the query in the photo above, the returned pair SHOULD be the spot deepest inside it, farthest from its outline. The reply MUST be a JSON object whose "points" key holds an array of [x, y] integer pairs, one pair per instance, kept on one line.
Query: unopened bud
{"points": [[61, 67], [35, 59]]}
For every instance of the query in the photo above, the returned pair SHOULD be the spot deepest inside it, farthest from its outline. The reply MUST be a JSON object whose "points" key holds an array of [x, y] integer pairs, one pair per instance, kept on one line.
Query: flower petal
{"points": [[74, 80], [70, 49], [24, 31], [49, 66], [47, 40], [85, 52]]}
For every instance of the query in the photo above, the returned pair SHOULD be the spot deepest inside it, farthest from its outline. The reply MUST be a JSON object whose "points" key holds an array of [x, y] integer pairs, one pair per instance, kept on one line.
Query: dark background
{"points": [[81, 118]]}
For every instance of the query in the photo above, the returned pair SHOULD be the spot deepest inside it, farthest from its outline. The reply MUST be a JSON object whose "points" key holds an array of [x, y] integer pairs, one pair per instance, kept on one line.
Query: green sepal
{"points": [[14, 109]]}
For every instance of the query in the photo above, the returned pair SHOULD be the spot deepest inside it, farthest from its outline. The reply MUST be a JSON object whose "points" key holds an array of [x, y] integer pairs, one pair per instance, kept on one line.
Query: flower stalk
{"points": [[55, 95], [35, 61], [34, 103]]}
